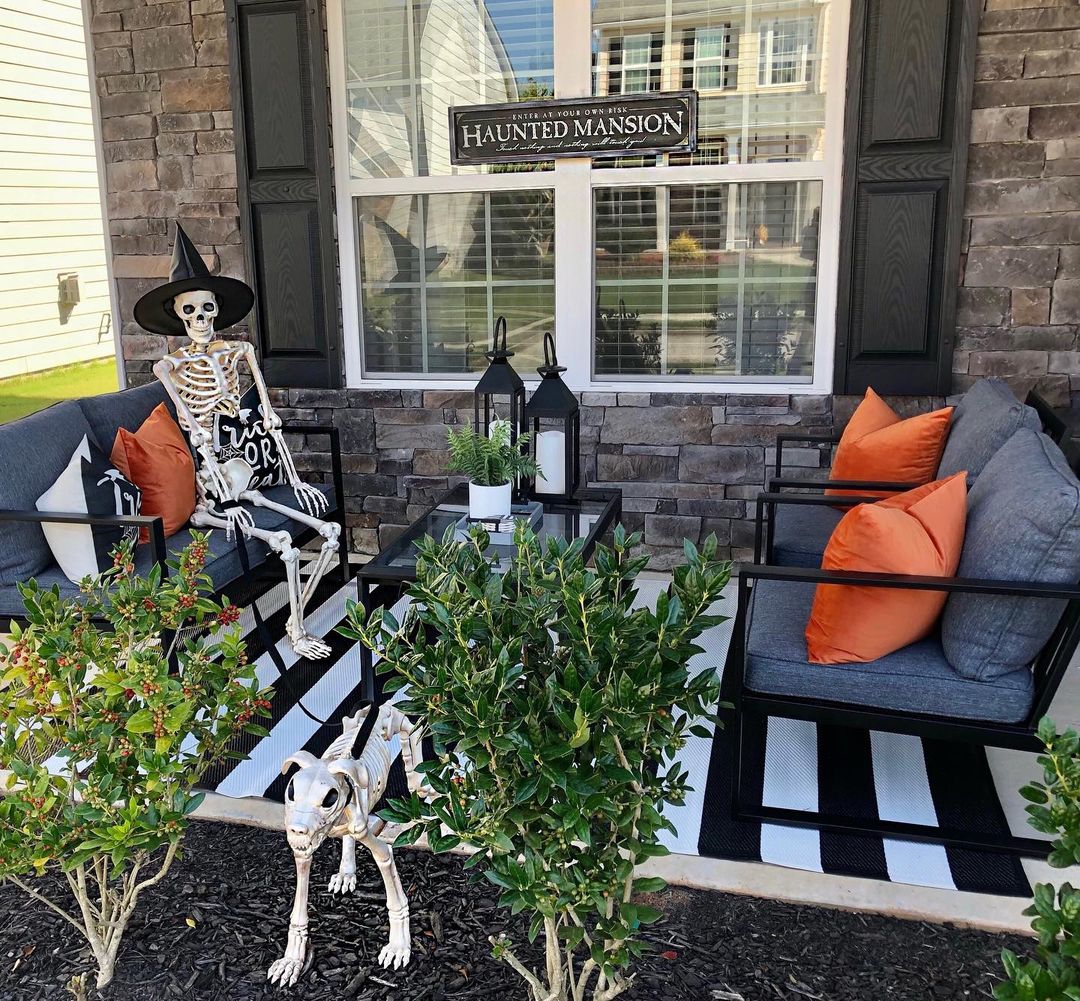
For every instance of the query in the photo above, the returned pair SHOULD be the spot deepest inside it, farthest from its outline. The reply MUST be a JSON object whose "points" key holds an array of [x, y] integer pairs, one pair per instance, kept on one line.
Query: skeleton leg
{"points": [[412, 752], [302, 641], [281, 543], [329, 530], [344, 881], [397, 951], [286, 971]]}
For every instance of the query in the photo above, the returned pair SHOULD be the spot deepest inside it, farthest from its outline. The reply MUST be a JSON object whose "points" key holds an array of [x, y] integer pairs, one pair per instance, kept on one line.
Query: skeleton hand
{"points": [[312, 500], [238, 518]]}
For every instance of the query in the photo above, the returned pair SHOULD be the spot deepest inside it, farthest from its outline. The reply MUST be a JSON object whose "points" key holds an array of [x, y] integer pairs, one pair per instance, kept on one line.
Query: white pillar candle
{"points": [[497, 423], [551, 458]]}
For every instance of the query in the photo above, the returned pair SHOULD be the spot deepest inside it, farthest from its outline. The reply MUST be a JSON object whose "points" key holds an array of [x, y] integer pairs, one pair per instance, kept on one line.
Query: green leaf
{"points": [[141, 722]]}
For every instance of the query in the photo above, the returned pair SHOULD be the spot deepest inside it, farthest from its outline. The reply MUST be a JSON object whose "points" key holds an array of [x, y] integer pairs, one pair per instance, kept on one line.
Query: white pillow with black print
{"points": [[89, 484], [244, 437]]}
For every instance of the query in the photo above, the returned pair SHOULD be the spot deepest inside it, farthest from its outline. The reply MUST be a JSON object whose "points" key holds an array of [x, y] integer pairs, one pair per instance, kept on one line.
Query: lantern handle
{"points": [[550, 360], [500, 327]]}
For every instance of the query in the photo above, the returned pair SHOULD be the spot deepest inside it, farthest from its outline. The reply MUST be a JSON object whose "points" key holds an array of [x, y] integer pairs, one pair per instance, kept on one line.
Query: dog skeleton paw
{"points": [[285, 971], [342, 882], [395, 955]]}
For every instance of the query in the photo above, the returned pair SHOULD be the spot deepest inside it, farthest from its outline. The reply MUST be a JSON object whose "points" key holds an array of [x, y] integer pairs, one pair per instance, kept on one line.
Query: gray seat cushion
{"points": [[802, 531], [128, 408], [1023, 524], [987, 416], [223, 563], [916, 678], [33, 452]]}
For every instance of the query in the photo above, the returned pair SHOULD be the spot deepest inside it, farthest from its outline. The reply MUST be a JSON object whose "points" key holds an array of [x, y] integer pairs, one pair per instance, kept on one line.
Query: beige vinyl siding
{"points": [[50, 200]]}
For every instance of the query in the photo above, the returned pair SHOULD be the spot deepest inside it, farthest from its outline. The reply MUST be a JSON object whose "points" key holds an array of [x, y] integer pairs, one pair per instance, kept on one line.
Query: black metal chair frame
{"points": [[1049, 669], [156, 528]]}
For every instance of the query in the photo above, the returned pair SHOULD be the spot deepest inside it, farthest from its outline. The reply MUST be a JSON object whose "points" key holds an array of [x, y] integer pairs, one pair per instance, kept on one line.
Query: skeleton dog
{"points": [[202, 378], [332, 796]]}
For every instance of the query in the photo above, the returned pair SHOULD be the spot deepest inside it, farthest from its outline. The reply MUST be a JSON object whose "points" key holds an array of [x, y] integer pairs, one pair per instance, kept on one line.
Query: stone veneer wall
{"points": [[1019, 305], [163, 90], [691, 466], [687, 467]]}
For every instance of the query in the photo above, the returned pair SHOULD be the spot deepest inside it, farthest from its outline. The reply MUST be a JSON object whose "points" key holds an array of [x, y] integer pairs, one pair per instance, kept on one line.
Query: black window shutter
{"points": [[614, 77], [910, 75], [284, 178]]}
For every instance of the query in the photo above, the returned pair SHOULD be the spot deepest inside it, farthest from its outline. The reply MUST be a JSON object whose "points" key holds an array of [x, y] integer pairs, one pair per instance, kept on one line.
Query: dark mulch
{"points": [[235, 884]]}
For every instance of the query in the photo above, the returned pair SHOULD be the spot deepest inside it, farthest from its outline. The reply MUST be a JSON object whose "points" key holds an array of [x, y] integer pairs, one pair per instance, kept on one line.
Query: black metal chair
{"points": [[1048, 670]]}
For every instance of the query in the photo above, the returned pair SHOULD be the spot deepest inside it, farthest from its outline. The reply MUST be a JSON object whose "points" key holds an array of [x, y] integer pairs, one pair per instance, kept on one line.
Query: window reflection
{"points": [[759, 67], [707, 279], [408, 61], [437, 269]]}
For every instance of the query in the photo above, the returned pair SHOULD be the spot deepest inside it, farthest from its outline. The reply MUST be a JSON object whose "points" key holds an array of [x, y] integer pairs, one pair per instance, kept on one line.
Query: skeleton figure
{"points": [[202, 378], [332, 796]]}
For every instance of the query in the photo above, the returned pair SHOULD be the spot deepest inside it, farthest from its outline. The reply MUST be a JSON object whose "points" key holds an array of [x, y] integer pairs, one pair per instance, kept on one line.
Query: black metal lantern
{"points": [[498, 382], [557, 448]]}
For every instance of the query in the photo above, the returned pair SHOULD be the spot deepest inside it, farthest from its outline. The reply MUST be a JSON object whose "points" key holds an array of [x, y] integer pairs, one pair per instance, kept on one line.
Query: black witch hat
{"points": [[188, 271]]}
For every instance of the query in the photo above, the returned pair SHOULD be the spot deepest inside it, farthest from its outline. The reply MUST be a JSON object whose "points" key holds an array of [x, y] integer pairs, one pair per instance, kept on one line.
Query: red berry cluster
{"points": [[228, 615], [244, 716]]}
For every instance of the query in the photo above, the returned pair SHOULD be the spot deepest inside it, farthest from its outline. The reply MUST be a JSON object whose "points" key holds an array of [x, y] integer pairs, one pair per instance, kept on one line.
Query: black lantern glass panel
{"points": [[554, 417], [499, 386]]}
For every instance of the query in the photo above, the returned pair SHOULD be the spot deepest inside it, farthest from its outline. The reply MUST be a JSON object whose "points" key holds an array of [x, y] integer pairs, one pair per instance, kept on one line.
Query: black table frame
{"points": [[379, 585]]}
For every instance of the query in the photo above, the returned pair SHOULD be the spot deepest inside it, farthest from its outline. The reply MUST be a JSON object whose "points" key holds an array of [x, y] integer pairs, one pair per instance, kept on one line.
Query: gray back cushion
{"points": [[984, 420], [126, 409], [1023, 524], [33, 452]]}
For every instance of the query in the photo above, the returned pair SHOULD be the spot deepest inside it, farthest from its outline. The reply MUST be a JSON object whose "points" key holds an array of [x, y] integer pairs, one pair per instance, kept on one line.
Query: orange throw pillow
{"points": [[157, 460], [921, 532], [878, 445]]}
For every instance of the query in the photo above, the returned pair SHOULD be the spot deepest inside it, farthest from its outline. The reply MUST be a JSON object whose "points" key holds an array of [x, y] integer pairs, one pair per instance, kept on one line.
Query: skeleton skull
{"points": [[197, 309], [315, 799]]}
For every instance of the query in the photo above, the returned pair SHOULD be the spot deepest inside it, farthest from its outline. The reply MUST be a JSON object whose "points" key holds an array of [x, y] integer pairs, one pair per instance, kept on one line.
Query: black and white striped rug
{"points": [[789, 764]]}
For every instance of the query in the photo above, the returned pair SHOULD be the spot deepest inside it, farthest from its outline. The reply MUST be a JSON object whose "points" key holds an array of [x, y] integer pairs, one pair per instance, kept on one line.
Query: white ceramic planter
{"points": [[489, 502]]}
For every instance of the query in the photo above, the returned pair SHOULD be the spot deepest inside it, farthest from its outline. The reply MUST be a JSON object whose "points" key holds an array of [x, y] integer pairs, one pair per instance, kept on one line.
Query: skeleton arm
{"points": [[312, 500]]}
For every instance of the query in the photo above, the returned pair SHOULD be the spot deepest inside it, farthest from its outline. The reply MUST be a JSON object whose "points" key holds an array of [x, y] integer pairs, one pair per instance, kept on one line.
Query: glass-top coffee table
{"points": [[382, 581]]}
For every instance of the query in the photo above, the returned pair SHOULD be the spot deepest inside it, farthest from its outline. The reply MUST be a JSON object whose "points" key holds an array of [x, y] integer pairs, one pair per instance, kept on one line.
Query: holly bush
{"points": [[1053, 808], [112, 707], [557, 711]]}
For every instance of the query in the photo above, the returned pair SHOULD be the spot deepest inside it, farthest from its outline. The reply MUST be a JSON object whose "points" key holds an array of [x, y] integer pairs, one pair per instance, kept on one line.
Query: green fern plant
{"points": [[490, 462]]}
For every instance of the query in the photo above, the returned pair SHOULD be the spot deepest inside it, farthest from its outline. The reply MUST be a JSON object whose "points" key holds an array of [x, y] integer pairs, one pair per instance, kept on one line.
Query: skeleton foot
{"points": [[305, 644], [342, 882], [397, 952], [285, 971], [310, 647]]}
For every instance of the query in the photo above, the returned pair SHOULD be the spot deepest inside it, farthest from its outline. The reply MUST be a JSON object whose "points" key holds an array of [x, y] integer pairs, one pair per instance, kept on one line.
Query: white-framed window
{"points": [[785, 52], [708, 270], [710, 57], [636, 61]]}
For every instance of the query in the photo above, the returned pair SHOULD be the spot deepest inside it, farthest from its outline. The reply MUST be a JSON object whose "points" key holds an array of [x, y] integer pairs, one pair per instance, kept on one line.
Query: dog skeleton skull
{"points": [[332, 796], [203, 380]]}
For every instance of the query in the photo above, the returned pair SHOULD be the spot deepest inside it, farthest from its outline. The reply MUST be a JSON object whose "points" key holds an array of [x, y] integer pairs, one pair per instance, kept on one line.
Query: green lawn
{"points": [[26, 393]]}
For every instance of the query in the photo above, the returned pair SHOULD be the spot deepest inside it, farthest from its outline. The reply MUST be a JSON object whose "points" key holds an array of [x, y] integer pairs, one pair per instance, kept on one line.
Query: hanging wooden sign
{"points": [[530, 131]]}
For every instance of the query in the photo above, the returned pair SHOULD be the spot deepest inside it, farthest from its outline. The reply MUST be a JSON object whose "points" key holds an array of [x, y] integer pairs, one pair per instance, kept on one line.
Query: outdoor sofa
{"points": [[35, 449], [988, 671]]}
